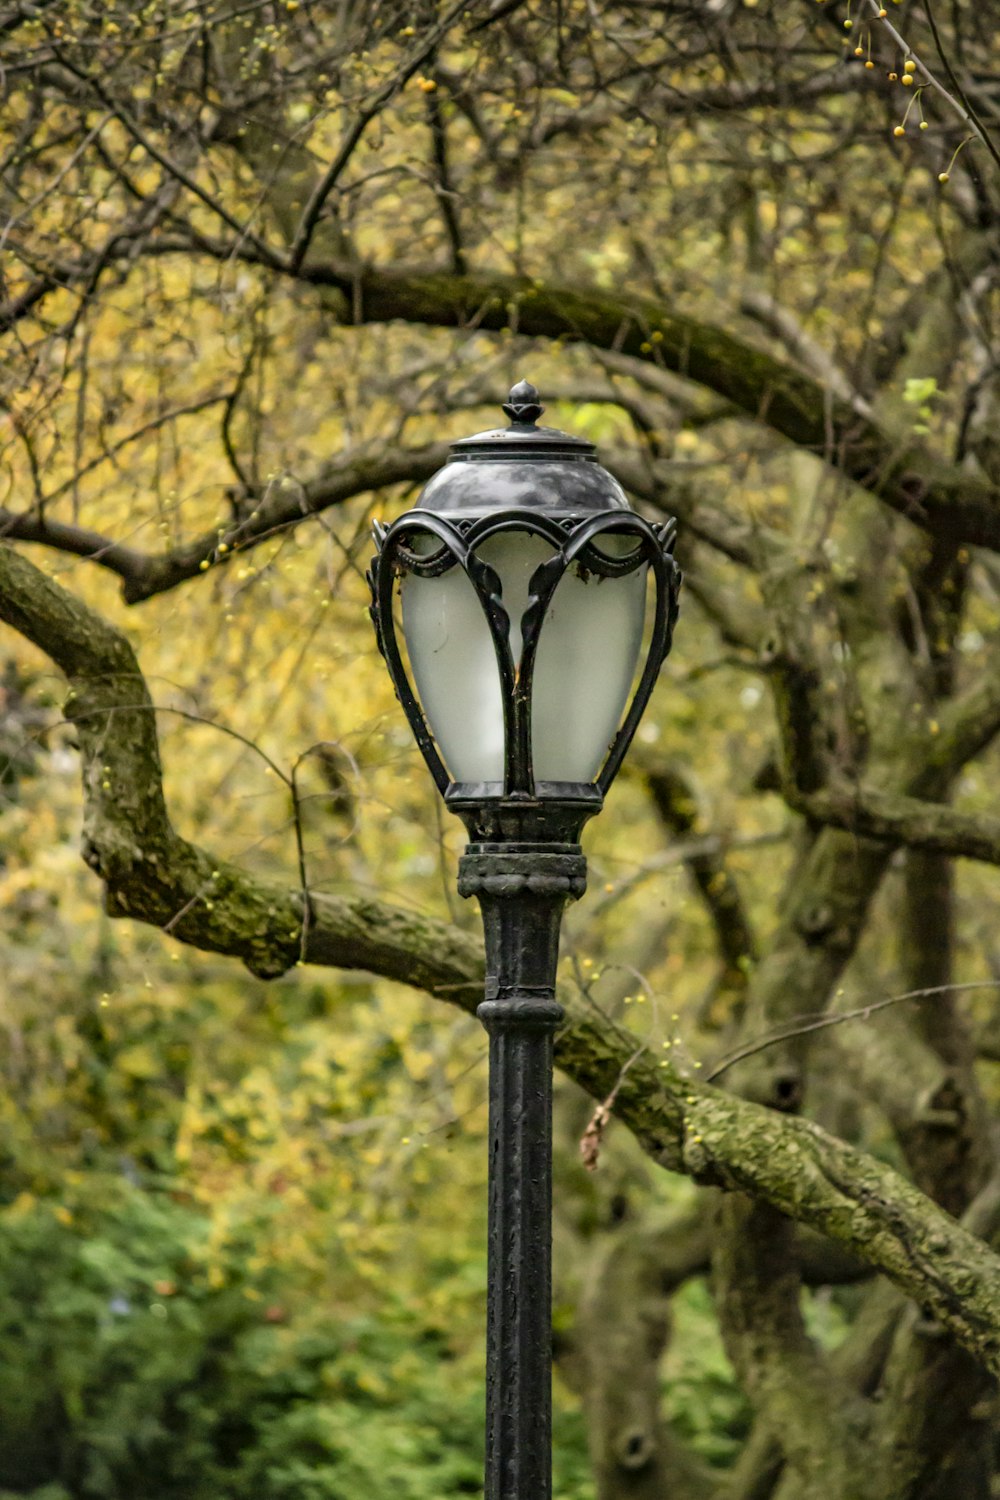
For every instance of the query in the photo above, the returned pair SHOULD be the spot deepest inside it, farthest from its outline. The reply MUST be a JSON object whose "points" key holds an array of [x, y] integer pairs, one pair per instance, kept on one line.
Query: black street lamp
{"points": [[523, 728]]}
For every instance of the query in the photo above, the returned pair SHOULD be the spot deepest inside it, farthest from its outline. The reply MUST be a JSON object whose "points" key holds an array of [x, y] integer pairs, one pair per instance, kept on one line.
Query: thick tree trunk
{"points": [[623, 1329]]}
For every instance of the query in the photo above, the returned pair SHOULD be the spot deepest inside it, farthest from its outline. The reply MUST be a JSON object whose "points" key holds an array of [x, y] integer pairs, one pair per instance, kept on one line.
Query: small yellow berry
{"points": [[943, 177], [859, 52], [893, 77], [869, 64], [899, 130], [909, 66], [848, 25], [426, 85], [907, 80], [923, 125]]}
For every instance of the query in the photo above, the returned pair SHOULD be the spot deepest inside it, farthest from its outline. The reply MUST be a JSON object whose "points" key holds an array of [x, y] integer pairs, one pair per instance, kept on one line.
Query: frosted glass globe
{"points": [[587, 655]]}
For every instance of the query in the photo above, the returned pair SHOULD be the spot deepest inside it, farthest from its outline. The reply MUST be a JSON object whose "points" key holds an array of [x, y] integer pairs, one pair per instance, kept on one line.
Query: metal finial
{"points": [[522, 405]]}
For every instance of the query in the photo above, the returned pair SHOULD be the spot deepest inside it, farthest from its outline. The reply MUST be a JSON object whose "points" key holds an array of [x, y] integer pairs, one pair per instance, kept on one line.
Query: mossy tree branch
{"points": [[939, 497], [898, 819]]}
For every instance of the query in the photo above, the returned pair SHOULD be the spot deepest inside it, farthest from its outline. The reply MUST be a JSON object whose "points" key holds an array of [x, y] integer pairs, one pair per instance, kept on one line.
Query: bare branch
{"points": [[283, 505]]}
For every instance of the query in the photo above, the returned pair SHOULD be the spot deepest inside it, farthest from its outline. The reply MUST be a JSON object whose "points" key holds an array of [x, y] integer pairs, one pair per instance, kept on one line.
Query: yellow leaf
{"points": [[139, 1062]]}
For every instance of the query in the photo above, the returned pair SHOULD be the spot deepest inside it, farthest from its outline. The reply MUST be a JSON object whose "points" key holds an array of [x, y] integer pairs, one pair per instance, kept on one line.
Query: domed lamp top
{"points": [[531, 468]]}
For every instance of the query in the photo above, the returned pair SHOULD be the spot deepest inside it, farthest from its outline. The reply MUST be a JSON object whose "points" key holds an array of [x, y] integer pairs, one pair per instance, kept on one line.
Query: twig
{"points": [[964, 111], [323, 189], [806, 1025], [593, 1136]]}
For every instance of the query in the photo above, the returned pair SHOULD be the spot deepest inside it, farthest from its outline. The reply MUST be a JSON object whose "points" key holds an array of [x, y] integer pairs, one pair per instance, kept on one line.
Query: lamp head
{"points": [[523, 572]]}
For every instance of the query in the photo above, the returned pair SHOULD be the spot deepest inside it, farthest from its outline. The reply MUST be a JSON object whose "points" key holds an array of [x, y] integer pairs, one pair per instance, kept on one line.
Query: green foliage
{"points": [[702, 1400], [124, 1372], [917, 392], [920, 393]]}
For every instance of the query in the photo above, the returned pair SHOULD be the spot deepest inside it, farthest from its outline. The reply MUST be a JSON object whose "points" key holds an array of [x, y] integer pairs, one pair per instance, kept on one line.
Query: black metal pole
{"points": [[522, 890]]}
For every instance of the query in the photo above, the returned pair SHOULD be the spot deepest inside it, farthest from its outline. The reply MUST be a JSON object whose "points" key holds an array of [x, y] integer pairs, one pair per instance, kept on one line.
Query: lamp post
{"points": [[522, 576]]}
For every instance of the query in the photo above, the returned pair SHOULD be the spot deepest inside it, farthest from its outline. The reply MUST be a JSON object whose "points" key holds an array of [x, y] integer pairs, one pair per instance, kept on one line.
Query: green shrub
{"points": [[127, 1371]]}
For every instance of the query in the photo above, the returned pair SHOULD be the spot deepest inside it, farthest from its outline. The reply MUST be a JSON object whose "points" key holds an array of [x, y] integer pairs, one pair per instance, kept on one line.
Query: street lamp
{"points": [[522, 576]]}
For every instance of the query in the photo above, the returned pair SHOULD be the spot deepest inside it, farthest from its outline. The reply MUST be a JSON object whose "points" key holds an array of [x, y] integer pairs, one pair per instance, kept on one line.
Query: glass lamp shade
{"points": [[587, 654]]}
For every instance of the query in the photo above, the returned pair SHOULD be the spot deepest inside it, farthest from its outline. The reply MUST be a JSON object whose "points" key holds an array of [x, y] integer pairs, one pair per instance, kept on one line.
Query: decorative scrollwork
{"points": [[576, 544], [606, 565]]}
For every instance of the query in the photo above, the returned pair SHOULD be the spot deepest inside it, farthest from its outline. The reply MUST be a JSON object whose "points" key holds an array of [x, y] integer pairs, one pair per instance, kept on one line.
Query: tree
{"points": [[754, 250]]}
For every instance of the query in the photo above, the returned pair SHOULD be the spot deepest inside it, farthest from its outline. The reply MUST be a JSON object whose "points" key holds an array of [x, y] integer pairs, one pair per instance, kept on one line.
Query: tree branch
{"points": [[905, 475], [676, 802], [898, 819], [152, 874], [284, 505], [325, 185], [942, 498], [144, 574]]}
